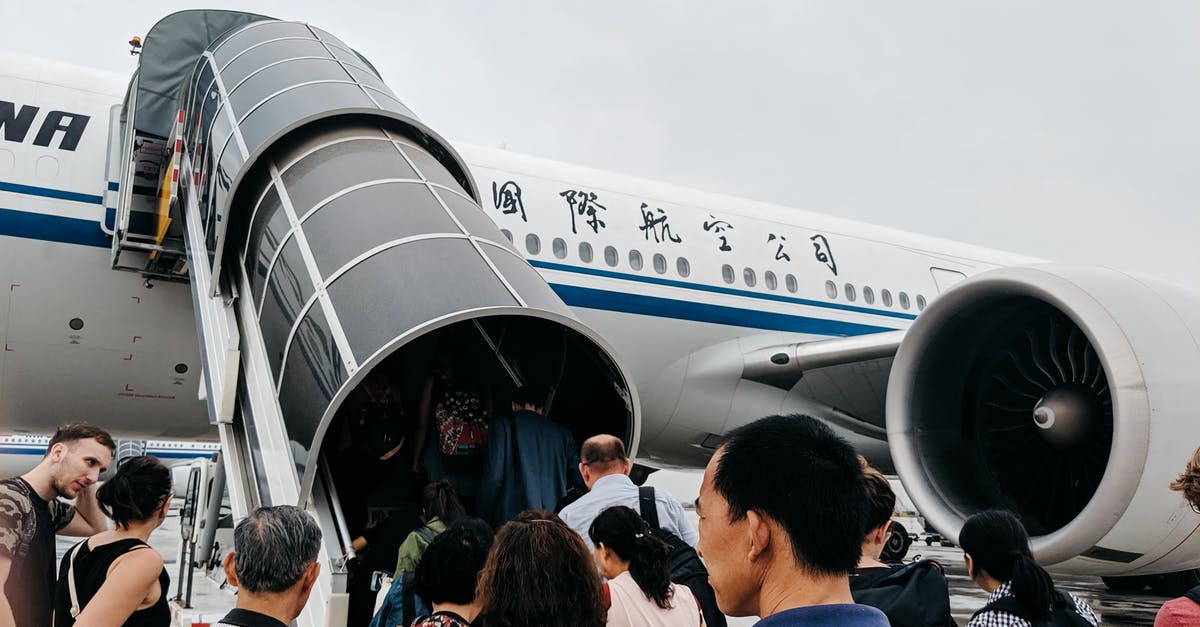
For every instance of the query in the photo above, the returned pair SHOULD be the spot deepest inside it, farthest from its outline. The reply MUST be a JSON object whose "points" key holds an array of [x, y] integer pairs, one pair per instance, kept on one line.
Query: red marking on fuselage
{"points": [[7, 349], [129, 358], [127, 388], [137, 299], [136, 338], [13, 286]]}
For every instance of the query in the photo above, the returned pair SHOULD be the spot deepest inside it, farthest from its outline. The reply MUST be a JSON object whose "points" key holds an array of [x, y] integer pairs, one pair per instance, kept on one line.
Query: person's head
{"points": [[75, 457], [528, 398], [449, 569], [997, 550], [274, 558], [438, 498], [782, 497], [539, 572], [1188, 482], [881, 503], [138, 492], [624, 542], [600, 456]]}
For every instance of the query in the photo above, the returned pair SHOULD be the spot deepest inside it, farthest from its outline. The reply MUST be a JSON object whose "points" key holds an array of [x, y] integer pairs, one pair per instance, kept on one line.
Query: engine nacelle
{"points": [[1067, 394]]}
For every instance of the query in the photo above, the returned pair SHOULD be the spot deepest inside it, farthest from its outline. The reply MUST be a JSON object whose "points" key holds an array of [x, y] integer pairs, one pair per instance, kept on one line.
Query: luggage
{"points": [[462, 429], [1062, 612], [912, 595], [687, 568]]}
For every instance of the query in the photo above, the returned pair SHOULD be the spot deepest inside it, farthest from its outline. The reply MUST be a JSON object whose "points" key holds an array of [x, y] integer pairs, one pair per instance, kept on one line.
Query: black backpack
{"points": [[1194, 595], [912, 595], [687, 569], [1062, 611]]}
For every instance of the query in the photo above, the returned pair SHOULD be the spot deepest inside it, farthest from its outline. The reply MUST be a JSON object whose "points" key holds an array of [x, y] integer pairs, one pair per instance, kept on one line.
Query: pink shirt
{"points": [[631, 608], [1181, 612]]}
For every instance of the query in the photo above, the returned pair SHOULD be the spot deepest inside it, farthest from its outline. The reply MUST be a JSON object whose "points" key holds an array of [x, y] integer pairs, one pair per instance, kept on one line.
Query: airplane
{"points": [[232, 241]]}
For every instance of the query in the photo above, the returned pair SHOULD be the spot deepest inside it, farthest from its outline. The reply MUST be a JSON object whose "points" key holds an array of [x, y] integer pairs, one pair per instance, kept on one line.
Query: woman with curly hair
{"points": [[639, 584], [539, 572], [1186, 609]]}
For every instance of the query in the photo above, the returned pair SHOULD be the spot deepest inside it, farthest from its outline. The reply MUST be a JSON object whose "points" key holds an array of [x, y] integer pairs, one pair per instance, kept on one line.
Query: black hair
{"points": [[449, 568], [136, 491], [626, 533], [815, 489], [440, 499], [998, 545], [529, 395]]}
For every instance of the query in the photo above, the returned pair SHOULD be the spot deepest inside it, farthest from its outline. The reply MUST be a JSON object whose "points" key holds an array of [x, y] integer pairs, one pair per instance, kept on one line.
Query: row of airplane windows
{"points": [[558, 246]]}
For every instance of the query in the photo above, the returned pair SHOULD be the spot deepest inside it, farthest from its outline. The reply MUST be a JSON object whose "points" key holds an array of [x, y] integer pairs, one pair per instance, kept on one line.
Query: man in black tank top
{"points": [[30, 515]]}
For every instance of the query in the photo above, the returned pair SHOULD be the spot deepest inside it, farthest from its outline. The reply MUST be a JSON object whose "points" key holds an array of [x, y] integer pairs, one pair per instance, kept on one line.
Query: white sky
{"points": [[1065, 130]]}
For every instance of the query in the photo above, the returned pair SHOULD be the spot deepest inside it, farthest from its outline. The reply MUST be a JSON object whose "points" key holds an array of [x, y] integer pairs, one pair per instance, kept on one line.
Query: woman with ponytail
{"points": [[639, 578], [115, 577], [1186, 609], [999, 561]]}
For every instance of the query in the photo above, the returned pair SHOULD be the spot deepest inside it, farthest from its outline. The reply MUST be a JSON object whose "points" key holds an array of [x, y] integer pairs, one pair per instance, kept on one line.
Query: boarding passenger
{"points": [[115, 577], [1000, 562], [1186, 609], [639, 587], [30, 515], [439, 507], [447, 574], [782, 510], [274, 566], [913, 594], [539, 572], [457, 413], [529, 462]]}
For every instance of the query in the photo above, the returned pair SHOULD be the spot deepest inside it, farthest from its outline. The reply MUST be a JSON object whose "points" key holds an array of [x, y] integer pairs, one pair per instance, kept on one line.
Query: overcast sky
{"points": [[1066, 130]]}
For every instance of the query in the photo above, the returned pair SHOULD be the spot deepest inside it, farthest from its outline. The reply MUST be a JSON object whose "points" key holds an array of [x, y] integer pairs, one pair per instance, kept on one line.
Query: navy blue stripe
{"points": [[46, 192], [114, 186], [682, 310], [52, 228], [716, 289]]}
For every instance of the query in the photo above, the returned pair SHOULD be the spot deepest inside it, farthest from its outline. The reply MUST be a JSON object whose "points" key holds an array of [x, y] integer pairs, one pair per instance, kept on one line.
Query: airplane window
{"points": [[904, 300], [610, 256], [683, 267], [585, 252], [830, 289], [660, 264], [921, 302], [560, 247], [635, 259], [868, 295], [769, 279], [790, 281], [749, 277], [850, 293], [887, 298], [533, 244], [507, 233], [727, 273]]}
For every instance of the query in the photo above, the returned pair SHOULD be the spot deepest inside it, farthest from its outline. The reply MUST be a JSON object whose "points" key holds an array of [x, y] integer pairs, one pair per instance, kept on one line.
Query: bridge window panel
{"points": [[749, 276], [904, 300], [660, 263], [368, 78], [288, 289], [585, 252], [247, 36], [886, 296], [727, 274], [533, 243], [299, 103], [508, 235], [611, 256], [921, 302], [281, 76], [831, 289], [329, 170], [524, 279], [313, 375], [559, 246], [433, 169], [369, 217], [868, 295], [269, 52], [770, 281], [269, 226], [850, 292], [473, 219], [790, 282], [415, 295], [635, 259], [683, 267]]}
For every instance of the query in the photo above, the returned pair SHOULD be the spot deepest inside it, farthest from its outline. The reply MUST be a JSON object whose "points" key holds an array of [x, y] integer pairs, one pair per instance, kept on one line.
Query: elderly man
{"points": [[782, 510], [274, 566], [31, 514]]}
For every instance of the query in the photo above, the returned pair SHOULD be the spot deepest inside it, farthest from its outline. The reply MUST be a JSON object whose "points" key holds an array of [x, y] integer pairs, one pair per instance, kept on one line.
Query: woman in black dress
{"points": [[114, 577]]}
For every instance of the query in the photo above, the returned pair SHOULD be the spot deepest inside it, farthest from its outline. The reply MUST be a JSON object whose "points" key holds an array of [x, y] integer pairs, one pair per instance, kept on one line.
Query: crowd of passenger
{"points": [[791, 528]]}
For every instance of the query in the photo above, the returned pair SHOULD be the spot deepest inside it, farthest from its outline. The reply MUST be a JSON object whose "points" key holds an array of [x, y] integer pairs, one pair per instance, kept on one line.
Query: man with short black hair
{"points": [[31, 514], [782, 511], [274, 566]]}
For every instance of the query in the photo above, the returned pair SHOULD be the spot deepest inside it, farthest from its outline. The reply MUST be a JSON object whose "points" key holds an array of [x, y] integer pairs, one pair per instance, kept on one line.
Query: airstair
{"points": [[322, 228]]}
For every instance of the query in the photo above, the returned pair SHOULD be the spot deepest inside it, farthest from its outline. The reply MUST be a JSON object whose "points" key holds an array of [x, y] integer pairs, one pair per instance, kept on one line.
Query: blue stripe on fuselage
{"points": [[46, 192], [49, 228]]}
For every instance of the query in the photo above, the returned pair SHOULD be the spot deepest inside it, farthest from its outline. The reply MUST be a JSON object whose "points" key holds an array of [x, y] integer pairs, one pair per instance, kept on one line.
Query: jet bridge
{"points": [[324, 229]]}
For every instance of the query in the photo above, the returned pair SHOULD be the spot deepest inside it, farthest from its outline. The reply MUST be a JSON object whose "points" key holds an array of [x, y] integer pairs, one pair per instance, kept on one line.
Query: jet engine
{"points": [[1066, 394]]}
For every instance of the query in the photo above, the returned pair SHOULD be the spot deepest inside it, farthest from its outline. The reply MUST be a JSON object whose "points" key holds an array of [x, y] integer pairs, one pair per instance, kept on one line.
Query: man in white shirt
{"points": [[605, 468]]}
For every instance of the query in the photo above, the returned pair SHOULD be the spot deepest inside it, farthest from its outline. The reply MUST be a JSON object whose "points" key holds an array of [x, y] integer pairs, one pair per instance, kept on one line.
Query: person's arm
{"points": [[687, 531], [128, 583], [88, 519], [6, 614]]}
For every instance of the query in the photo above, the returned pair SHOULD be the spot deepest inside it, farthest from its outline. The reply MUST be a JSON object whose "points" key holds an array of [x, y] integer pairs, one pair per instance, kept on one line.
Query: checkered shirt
{"points": [[999, 618]]}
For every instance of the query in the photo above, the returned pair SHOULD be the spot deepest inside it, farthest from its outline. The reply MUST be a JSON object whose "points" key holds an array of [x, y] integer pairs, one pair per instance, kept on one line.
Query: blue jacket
{"points": [[536, 477]]}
